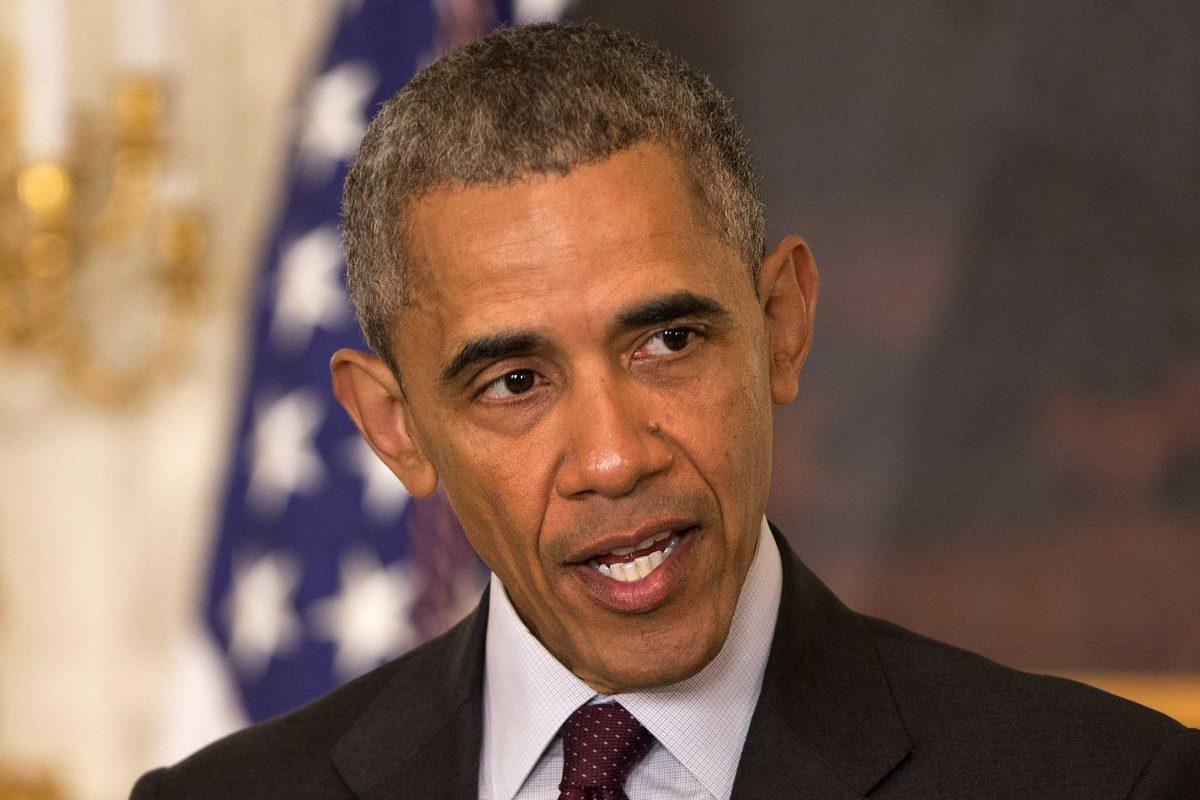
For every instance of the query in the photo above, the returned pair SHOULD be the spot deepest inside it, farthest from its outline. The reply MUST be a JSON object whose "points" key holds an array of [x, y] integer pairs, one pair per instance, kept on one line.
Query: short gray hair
{"points": [[524, 101]]}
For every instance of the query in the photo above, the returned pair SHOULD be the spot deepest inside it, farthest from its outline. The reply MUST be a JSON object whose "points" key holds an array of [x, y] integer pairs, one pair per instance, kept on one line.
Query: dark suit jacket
{"points": [[851, 707]]}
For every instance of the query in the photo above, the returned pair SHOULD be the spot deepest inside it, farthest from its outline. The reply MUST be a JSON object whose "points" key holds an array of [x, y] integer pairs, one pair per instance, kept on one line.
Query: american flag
{"points": [[324, 567]]}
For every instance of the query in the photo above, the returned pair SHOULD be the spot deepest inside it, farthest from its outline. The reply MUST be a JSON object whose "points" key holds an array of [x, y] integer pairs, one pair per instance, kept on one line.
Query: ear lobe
{"points": [[368, 391], [788, 287]]}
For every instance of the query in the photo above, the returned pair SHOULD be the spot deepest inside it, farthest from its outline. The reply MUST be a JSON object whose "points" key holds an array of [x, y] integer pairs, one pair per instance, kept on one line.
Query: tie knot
{"points": [[601, 744]]}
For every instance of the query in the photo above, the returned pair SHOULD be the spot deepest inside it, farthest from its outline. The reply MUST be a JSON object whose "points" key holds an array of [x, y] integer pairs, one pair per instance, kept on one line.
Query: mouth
{"points": [[631, 564], [639, 577]]}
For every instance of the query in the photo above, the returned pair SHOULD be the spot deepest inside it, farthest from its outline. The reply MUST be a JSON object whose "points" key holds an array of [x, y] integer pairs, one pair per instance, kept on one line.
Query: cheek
{"points": [[499, 497], [722, 420], [725, 411]]}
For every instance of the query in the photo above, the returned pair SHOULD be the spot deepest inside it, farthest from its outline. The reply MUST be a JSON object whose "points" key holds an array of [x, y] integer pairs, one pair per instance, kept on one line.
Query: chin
{"points": [[668, 666]]}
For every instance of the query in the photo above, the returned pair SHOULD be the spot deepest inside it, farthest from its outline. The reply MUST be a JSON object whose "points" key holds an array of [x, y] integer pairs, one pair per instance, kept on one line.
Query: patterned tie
{"points": [[601, 743]]}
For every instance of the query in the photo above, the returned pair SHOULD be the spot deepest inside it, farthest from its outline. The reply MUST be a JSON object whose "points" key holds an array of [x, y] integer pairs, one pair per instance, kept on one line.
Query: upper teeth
{"points": [[640, 567], [624, 551]]}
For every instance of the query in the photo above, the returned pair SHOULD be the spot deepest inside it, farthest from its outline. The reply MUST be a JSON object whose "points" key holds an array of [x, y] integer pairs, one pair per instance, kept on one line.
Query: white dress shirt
{"points": [[699, 724]]}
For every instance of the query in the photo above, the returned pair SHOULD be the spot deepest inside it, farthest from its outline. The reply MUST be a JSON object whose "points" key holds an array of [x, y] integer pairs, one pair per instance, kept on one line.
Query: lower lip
{"points": [[646, 594]]}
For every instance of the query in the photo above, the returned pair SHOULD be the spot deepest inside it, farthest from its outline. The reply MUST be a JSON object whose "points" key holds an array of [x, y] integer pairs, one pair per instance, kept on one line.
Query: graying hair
{"points": [[525, 101]]}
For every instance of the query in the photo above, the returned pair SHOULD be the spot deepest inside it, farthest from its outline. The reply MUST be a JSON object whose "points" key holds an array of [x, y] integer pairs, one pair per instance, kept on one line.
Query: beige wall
{"points": [[105, 516]]}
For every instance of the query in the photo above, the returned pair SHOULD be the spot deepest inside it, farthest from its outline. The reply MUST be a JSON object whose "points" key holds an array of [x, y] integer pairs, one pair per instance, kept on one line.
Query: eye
{"points": [[666, 342], [510, 384]]}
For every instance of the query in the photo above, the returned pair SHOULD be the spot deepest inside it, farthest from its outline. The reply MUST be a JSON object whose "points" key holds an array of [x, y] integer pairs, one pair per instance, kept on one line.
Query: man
{"points": [[555, 250]]}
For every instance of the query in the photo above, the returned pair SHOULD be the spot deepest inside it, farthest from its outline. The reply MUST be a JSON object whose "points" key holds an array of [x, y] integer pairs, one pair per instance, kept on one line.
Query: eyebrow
{"points": [[654, 311], [492, 347], [668, 308]]}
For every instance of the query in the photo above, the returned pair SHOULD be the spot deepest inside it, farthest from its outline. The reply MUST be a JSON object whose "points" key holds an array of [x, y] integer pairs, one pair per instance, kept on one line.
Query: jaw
{"points": [[614, 652], [579, 615], [643, 660]]}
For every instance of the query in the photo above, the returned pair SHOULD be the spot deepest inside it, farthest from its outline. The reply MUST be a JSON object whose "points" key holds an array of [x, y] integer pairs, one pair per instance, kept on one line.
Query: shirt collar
{"points": [[701, 721]]}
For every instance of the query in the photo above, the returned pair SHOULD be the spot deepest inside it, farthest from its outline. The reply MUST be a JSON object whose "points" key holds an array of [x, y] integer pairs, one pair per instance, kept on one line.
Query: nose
{"points": [[612, 443]]}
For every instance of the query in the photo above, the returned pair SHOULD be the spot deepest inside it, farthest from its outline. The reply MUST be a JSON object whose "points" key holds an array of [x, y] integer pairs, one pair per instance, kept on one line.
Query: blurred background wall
{"points": [[997, 440], [998, 437]]}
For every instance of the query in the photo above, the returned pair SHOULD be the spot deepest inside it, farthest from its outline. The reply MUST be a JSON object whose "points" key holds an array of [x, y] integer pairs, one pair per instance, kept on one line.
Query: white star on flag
{"points": [[334, 117], [259, 611], [285, 461], [368, 620], [384, 496], [309, 291]]}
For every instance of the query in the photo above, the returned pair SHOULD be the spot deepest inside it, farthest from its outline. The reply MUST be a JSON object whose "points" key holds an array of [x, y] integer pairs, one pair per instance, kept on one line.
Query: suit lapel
{"points": [[421, 736], [825, 724]]}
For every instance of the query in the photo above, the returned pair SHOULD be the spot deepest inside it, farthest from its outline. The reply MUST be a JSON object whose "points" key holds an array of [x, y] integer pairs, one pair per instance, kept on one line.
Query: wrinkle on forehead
{"points": [[533, 210], [494, 254]]}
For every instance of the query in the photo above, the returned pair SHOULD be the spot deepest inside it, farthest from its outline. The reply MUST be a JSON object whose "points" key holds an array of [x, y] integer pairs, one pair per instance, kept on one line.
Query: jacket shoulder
{"points": [[1035, 735], [289, 755]]}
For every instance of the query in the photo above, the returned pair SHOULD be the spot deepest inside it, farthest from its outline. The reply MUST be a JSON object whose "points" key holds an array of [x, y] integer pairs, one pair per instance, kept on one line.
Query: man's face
{"points": [[587, 368]]}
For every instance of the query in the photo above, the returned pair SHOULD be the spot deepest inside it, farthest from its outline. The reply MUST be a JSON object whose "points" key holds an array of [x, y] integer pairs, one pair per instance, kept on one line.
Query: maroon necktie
{"points": [[601, 743]]}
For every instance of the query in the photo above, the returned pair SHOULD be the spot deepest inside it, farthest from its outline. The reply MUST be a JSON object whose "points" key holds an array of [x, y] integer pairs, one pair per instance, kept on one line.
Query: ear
{"points": [[368, 391], [787, 283]]}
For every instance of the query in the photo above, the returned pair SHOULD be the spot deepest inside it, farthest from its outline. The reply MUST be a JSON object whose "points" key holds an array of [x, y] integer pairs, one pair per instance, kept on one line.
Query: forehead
{"points": [[561, 248]]}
